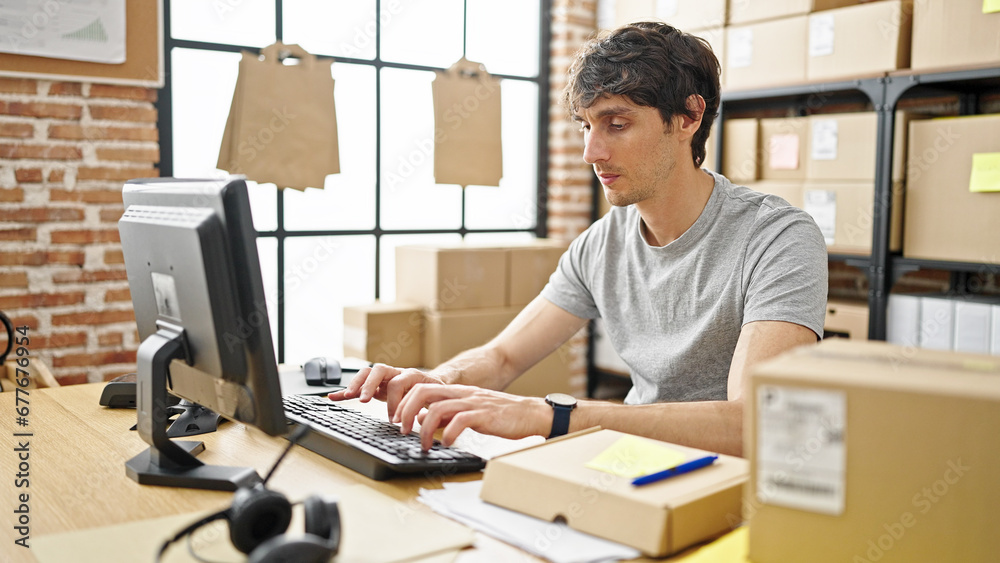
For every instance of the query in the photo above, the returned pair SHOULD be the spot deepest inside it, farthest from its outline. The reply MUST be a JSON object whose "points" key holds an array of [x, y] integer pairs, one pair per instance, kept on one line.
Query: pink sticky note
{"points": [[784, 152]]}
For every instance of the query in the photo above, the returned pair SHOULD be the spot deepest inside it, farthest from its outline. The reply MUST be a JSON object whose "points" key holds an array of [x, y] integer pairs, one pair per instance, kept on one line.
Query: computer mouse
{"points": [[322, 371]]}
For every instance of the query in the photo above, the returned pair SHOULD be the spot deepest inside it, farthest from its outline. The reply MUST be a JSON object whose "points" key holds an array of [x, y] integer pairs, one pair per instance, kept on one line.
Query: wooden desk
{"points": [[77, 475]]}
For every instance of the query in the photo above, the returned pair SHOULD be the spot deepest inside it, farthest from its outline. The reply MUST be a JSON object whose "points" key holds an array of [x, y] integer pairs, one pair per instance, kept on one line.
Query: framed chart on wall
{"points": [[115, 48]]}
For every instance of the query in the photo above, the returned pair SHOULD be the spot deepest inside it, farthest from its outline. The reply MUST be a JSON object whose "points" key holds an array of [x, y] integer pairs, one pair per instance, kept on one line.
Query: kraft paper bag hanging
{"points": [[467, 149], [282, 125]]}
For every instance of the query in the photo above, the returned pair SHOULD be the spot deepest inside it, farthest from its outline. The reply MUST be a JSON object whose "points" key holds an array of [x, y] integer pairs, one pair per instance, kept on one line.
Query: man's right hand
{"points": [[384, 383]]}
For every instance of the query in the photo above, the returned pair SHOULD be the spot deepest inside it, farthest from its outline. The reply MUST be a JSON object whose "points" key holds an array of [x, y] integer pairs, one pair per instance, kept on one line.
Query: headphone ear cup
{"points": [[286, 549], [256, 516], [323, 520]]}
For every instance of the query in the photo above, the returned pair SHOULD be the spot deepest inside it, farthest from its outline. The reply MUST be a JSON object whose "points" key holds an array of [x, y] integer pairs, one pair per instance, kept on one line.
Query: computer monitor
{"points": [[191, 258]]}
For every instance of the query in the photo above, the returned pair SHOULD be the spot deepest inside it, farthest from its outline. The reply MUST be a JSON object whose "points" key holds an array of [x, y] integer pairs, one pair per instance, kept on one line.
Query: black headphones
{"points": [[258, 518]]}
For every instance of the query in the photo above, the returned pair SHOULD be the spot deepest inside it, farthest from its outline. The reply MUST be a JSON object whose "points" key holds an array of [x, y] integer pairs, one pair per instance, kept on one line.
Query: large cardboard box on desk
{"points": [[863, 452], [945, 218], [552, 481], [443, 278], [954, 33], [857, 41], [386, 333]]}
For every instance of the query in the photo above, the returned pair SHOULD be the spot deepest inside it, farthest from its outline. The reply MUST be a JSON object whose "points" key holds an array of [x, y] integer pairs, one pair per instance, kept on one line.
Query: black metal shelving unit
{"points": [[883, 93]]}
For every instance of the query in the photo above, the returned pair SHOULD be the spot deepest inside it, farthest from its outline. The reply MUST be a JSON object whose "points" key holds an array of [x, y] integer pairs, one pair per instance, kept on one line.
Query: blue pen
{"points": [[686, 467]]}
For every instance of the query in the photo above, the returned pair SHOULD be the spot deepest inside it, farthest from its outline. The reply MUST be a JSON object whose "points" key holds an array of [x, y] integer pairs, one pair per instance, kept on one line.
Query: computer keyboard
{"points": [[372, 447]]}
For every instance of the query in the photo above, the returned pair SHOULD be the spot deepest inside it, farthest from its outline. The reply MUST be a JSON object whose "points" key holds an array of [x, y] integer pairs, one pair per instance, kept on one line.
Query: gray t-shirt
{"points": [[674, 313]]}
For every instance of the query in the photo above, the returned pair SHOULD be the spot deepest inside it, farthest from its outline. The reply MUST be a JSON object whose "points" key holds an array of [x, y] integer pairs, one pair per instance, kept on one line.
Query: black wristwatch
{"points": [[562, 405]]}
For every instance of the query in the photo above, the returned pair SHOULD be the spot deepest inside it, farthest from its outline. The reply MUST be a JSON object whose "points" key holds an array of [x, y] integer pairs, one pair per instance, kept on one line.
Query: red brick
{"points": [[19, 130], [36, 300], [29, 321], [112, 295], [41, 109], [86, 196], [119, 113], [12, 195], [94, 318], [89, 276], [95, 133], [18, 86], [84, 236], [94, 359], [59, 340], [110, 339], [66, 89], [72, 379], [49, 152], [28, 175], [25, 234], [114, 257], [130, 154], [41, 214], [111, 214], [13, 279], [115, 174], [41, 258], [57, 175], [123, 92]]}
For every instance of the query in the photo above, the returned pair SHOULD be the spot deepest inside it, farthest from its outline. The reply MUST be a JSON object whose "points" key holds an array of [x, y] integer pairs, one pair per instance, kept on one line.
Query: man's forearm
{"points": [[710, 425], [483, 366]]}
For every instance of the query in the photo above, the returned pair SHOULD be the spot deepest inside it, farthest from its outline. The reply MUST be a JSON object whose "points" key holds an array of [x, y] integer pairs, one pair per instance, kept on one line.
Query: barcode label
{"points": [[801, 448]]}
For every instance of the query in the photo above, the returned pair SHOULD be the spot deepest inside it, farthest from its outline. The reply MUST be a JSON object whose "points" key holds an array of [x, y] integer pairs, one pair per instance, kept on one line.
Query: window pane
{"points": [[348, 200], [322, 274], [202, 90], [267, 249], [246, 22], [410, 199], [513, 204], [504, 36], [341, 29], [387, 260], [423, 32]]}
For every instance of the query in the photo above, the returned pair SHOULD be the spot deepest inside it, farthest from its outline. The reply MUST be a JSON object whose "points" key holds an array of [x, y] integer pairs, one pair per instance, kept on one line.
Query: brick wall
{"points": [[65, 149], [570, 179]]}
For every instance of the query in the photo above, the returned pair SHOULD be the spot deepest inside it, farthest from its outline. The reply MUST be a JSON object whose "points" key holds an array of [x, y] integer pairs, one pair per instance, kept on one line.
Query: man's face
{"points": [[632, 153]]}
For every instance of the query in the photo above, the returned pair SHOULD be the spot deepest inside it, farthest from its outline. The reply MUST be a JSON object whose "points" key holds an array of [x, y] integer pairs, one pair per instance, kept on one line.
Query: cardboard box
{"points": [[862, 40], [448, 333], [745, 11], [551, 480], [844, 212], [842, 146], [847, 318], [686, 15], [445, 278], [903, 320], [766, 54], [387, 333], [529, 268], [863, 451], [784, 145], [944, 219], [792, 192], [954, 33], [741, 150]]}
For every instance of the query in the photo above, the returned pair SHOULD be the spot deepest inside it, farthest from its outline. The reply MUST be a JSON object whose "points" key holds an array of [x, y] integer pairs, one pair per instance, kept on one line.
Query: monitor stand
{"points": [[168, 463]]}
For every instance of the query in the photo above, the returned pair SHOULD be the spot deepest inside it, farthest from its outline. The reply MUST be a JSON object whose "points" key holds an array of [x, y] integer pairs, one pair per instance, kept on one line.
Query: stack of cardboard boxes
{"points": [[453, 298]]}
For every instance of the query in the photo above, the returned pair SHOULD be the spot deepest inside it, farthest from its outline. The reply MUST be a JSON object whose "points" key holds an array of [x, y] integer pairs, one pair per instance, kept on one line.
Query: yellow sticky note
{"points": [[990, 6], [631, 456], [985, 172]]}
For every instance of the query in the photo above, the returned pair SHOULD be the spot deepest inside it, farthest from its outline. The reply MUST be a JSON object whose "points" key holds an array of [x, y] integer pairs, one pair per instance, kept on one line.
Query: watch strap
{"points": [[560, 420]]}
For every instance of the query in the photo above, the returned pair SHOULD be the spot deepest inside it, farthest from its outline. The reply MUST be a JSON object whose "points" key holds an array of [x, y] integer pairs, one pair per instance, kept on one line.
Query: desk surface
{"points": [[78, 451]]}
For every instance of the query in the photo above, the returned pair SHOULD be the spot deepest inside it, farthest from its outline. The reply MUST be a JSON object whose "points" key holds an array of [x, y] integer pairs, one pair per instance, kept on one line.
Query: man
{"points": [[696, 279]]}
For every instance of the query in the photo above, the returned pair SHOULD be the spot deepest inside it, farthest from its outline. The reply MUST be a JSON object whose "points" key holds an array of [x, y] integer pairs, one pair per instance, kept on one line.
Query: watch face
{"points": [[561, 399]]}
